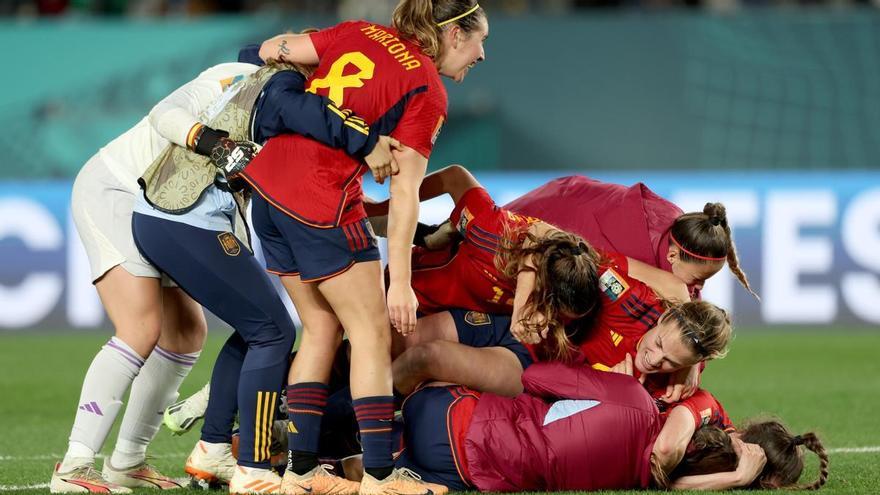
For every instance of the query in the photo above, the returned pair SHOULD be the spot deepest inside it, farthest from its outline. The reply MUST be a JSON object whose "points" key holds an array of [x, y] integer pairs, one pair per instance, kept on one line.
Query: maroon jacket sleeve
{"points": [[559, 381]]}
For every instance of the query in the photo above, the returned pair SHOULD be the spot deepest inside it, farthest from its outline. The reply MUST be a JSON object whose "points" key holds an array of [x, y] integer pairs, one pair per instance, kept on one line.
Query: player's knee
{"points": [[420, 359]]}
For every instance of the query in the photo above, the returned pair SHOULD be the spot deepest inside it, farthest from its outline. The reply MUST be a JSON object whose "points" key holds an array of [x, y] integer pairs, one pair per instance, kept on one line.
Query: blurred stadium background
{"points": [[770, 106]]}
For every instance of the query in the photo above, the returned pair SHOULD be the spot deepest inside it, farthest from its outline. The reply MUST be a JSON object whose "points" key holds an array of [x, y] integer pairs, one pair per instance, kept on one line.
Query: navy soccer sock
{"points": [[374, 416], [305, 409]]}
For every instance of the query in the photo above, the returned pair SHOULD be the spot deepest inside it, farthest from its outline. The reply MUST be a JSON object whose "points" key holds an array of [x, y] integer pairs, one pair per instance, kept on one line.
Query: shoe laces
{"points": [[407, 473], [88, 472]]}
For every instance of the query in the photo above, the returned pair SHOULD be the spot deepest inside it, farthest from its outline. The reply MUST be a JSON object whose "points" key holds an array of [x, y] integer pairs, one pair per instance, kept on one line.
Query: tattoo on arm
{"points": [[283, 50]]}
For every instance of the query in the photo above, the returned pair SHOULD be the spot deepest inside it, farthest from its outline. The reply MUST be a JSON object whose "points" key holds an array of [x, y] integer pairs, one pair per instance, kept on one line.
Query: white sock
{"points": [[153, 390], [111, 372]]}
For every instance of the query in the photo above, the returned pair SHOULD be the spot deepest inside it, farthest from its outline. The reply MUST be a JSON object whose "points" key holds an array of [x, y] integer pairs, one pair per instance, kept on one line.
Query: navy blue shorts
{"points": [[294, 248], [478, 329], [431, 417]]}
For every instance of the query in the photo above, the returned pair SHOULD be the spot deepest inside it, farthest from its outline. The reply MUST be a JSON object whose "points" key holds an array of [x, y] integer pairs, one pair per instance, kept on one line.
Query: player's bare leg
{"points": [[182, 336], [134, 306], [308, 377], [489, 369], [358, 299], [438, 326]]}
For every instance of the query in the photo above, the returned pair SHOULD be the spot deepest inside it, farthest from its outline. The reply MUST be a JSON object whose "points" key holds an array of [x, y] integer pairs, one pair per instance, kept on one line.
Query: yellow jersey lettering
{"points": [[394, 45], [368, 30]]}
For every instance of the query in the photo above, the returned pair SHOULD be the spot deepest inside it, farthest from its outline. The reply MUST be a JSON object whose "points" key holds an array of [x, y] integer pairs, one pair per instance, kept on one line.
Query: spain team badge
{"points": [[229, 243], [477, 318]]}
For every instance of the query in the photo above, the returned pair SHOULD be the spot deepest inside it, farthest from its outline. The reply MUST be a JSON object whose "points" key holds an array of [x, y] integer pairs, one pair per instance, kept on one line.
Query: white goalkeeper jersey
{"points": [[128, 156]]}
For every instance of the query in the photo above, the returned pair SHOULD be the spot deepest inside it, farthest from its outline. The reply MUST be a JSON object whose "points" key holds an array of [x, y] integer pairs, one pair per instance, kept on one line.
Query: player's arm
{"points": [[176, 117], [292, 48], [402, 217], [285, 107], [666, 285], [672, 442], [525, 285], [454, 180], [751, 461], [555, 380]]}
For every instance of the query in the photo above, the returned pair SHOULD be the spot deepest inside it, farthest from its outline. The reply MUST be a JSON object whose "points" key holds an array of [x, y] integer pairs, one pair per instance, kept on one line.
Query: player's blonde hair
{"points": [[566, 280], [705, 328], [418, 21]]}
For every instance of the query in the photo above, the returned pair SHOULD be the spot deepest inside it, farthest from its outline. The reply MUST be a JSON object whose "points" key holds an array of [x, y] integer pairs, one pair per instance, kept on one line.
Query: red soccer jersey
{"points": [[469, 280], [704, 408], [383, 79], [629, 309]]}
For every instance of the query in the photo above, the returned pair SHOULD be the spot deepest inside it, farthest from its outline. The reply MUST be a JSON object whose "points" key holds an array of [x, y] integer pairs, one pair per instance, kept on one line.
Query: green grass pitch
{"points": [[824, 380]]}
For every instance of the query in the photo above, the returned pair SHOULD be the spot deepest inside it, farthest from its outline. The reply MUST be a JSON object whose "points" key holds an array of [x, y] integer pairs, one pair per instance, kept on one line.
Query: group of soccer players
{"points": [[531, 311]]}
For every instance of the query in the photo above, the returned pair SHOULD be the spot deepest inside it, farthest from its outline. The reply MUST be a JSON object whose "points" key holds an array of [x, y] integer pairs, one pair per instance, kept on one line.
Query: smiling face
{"points": [[461, 50], [693, 274], [662, 349]]}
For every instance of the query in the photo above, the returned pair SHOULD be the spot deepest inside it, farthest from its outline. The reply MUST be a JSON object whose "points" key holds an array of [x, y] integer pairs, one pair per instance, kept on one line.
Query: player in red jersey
{"points": [[313, 229], [587, 430], [633, 319], [504, 264], [640, 224]]}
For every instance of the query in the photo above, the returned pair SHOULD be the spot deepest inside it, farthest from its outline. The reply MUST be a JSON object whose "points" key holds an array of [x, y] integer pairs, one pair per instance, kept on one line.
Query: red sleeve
{"points": [[705, 409], [617, 261], [476, 200], [325, 37], [422, 119], [554, 380]]}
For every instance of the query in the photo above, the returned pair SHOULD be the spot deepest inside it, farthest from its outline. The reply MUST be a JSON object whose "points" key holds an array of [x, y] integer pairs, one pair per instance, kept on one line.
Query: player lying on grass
{"points": [[640, 224], [159, 328], [581, 429]]}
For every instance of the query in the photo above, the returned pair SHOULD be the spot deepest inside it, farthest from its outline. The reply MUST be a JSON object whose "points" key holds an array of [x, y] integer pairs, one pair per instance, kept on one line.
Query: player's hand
{"points": [[231, 157], [381, 162], [624, 367], [524, 332], [437, 237], [682, 384], [752, 459], [402, 306]]}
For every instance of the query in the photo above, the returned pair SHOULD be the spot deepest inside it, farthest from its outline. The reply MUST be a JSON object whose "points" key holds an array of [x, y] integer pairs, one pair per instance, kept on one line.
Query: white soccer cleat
{"points": [[141, 476], [181, 416], [210, 463], [254, 480], [82, 479]]}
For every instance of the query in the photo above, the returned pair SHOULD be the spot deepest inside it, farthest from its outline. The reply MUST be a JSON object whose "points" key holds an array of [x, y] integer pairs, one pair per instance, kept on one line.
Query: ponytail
{"points": [[785, 462], [812, 443], [705, 236]]}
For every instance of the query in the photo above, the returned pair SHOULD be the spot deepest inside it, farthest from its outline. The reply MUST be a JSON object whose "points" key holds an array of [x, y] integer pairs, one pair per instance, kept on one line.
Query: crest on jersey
{"points": [[477, 318], [612, 284], [464, 220], [229, 243]]}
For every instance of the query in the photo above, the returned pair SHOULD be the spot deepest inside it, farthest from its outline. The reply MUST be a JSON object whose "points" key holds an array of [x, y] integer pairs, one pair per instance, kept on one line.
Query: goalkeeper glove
{"points": [[228, 155]]}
